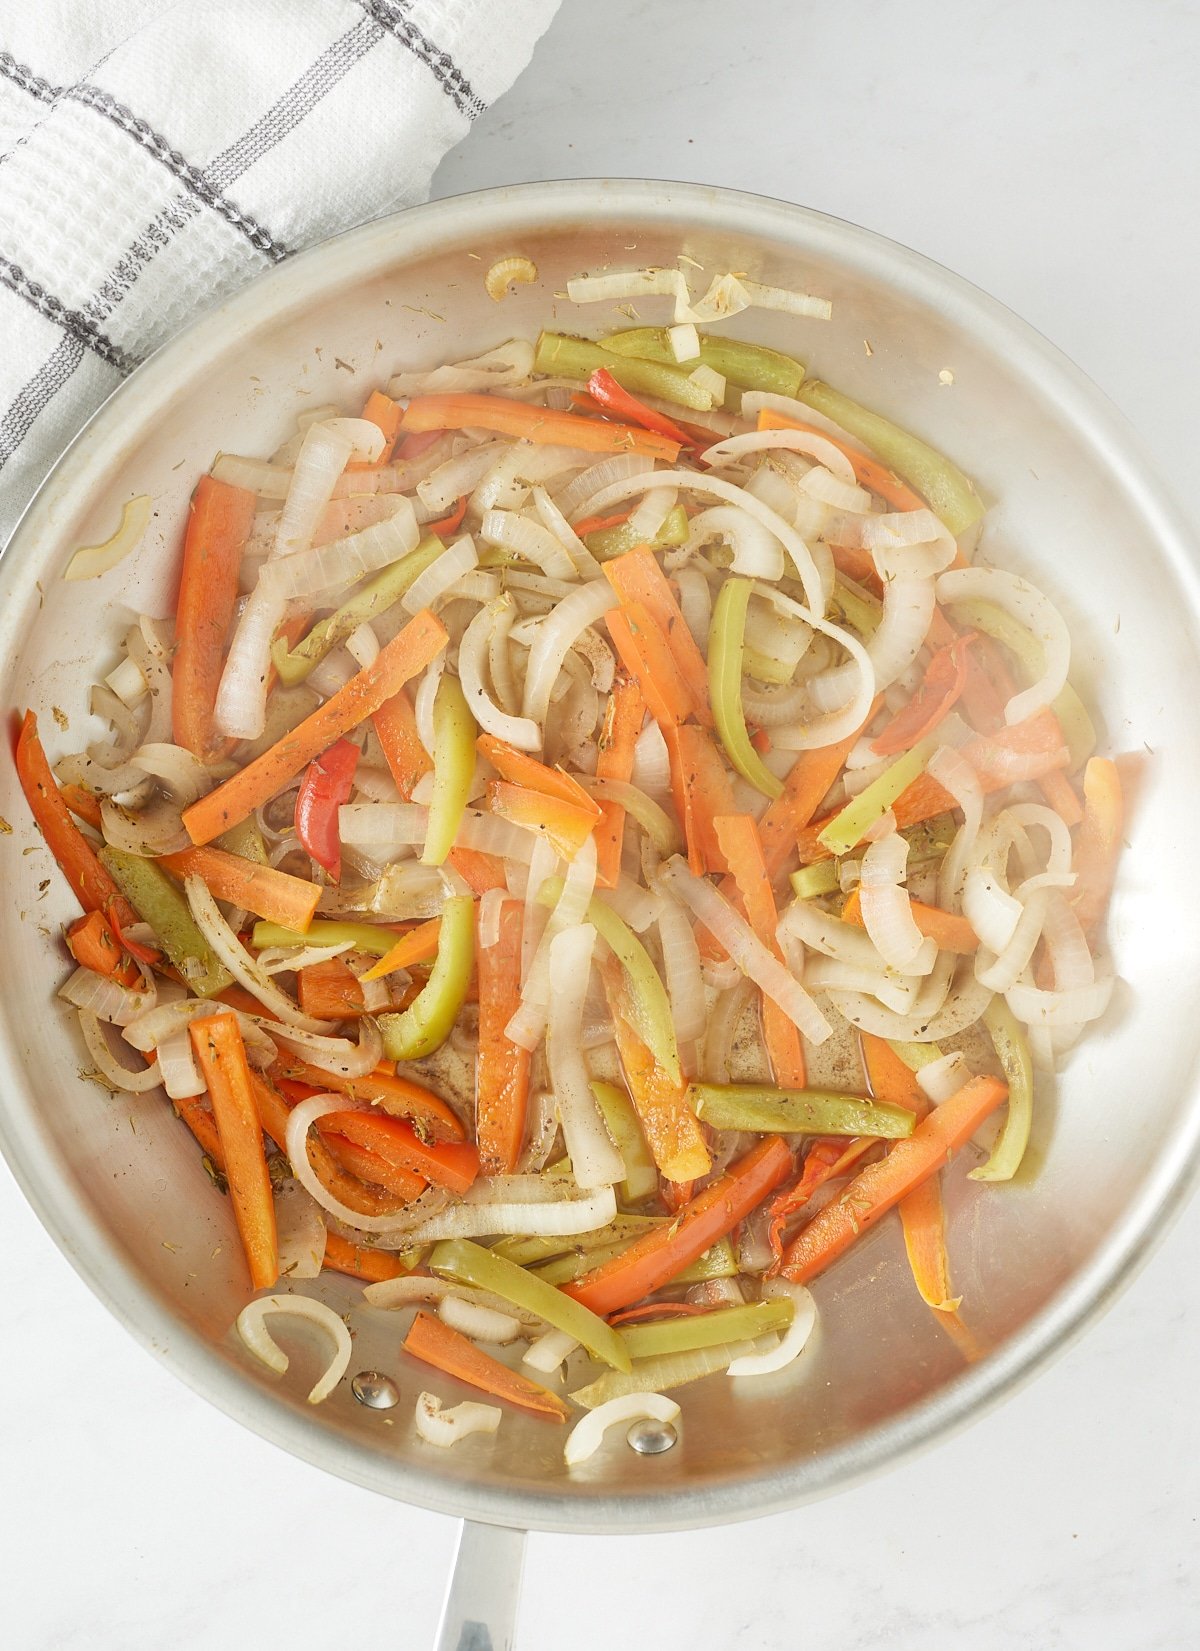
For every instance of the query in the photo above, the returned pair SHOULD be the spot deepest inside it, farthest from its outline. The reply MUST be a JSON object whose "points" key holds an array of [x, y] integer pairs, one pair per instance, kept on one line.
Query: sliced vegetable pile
{"points": [[587, 846]]}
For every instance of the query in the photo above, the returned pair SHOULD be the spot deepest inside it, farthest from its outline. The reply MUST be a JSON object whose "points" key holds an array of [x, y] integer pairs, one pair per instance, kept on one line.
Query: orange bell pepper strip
{"points": [[522, 769], [221, 1055], [382, 411], [858, 565], [501, 1066], [479, 871], [950, 932], [273, 895], [368, 1167], [702, 789], [646, 654], [359, 1261], [737, 835], [395, 1096], [407, 654], [674, 1134], [330, 991], [536, 424], [826, 1159], [868, 471], [449, 524], [604, 389], [1098, 840], [220, 518], [84, 804], [452, 1164], [989, 686], [567, 826], [941, 687], [273, 1111], [624, 714], [638, 580], [395, 724], [597, 524], [92, 886], [446, 1350], [880, 1186], [655, 1258], [417, 946]]}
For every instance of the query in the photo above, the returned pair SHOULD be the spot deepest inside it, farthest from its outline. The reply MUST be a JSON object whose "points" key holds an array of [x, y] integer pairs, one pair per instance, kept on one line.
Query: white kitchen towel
{"points": [[157, 154]]}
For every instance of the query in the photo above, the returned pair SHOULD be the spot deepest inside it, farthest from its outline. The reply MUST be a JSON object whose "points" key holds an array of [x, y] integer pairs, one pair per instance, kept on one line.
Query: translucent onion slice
{"points": [[507, 271], [342, 1057], [965, 1001], [301, 1231], [508, 363], [394, 1294], [90, 561], [941, 1078], [473, 651], [586, 1437], [1055, 1009], [1033, 610], [956, 776], [794, 1339], [585, 564], [757, 553], [529, 539], [478, 1322], [736, 448], [556, 635], [887, 911], [333, 566], [561, 1216], [105, 998], [548, 1352], [828, 934], [681, 966], [595, 1160], [907, 611], [446, 1427], [245, 970], [442, 574], [257, 1339], [155, 1026], [989, 908], [107, 1064]]}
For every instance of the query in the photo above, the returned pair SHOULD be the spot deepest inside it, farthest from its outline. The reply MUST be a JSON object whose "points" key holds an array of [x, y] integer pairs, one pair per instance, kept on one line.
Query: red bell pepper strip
{"points": [[943, 683], [603, 387], [325, 787], [447, 524]]}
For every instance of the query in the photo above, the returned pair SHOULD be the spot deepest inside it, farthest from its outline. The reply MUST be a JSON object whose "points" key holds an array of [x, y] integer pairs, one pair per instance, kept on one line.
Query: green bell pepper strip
{"points": [[364, 937], [159, 902], [1012, 1051], [771, 1111], [427, 1022], [607, 542], [846, 828], [855, 607], [812, 881], [914, 1055], [685, 1335], [717, 1262], [749, 366], [981, 615], [942, 484], [641, 1172], [667, 1370], [374, 598], [563, 357], [622, 1229], [726, 648], [650, 1007], [245, 840], [454, 732], [470, 1263]]}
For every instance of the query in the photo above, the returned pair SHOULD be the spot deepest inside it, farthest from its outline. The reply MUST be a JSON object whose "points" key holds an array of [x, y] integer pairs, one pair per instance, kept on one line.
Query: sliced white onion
{"points": [[794, 1339], [757, 552], [561, 1217], [242, 695], [472, 651], [586, 1437], [343, 1057], [394, 1294], [1070, 955], [105, 998], [633, 904], [323, 456], [107, 1064], [269, 481], [258, 1340], [585, 564], [647, 520], [446, 1427], [745, 949], [175, 768], [479, 1323], [556, 635], [508, 363], [895, 992], [989, 908], [828, 934], [651, 762], [594, 1159], [941, 1078], [491, 908], [238, 961], [1055, 1009], [441, 575], [965, 1001], [887, 910], [957, 777], [528, 539], [154, 829], [127, 682], [301, 1232], [619, 468], [423, 698], [154, 1027], [180, 1075], [333, 566], [1030, 608], [907, 612], [695, 603], [736, 448], [547, 1353], [681, 966]]}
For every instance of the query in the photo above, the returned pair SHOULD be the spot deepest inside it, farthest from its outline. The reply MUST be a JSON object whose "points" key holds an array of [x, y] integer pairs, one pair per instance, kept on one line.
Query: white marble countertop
{"points": [[1048, 153]]}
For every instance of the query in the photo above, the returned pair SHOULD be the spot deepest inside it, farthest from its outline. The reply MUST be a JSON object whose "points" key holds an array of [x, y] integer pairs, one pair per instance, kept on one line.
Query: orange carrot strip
{"points": [[737, 835], [623, 717], [84, 804], [1098, 841], [646, 655], [452, 1164], [395, 723], [273, 1112], [445, 1349], [479, 871], [191, 1110], [567, 826], [290, 901], [537, 424], [397, 1097], [221, 1054], [940, 689], [881, 1185], [330, 991], [501, 1066], [359, 1261], [522, 769], [421, 640], [381, 410], [702, 789], [808, 782], [637, 578], [369, 1167], [93, 887], [417, 946], [655, 1258], [220, 518], [673, 1133], [868, 471], [92, 944], [951, 932]]}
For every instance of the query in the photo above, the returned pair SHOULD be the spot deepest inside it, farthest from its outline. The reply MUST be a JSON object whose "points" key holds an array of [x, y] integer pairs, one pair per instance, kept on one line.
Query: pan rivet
{"points": [[651, 1438], [376, 1391]]}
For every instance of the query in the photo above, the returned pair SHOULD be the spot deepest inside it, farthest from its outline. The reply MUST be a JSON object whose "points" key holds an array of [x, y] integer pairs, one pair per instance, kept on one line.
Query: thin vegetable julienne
{"points": [[501, 1066], [624, 713], [536, 424], [437, 1344], [637, 579], [220, 518], [221, 1055]]}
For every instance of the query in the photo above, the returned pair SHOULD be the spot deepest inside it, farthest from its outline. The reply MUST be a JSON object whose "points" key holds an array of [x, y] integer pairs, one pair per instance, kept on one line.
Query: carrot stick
{"points": [[951, 932], [395, 723], [221, 1053], [273, 1112], [646, 655], [623, 717], [330, 991], [809, 781], [93, 887], [877, 1188], [1098, 841], [452, 1164], [702, 789], [381, 410], [739, 841], [369, 1167], [826, 1159], [501, 1066], [445, 1349], [537, 424], [92, 944], [567, 826], [637, 578], [421, 640], [84, 804], [673, 1133], [660, 1254], [479, 871], [220, 518], [868, 471], [522, 769], [193, 1112], [417, 946], [289, 901], [359, 1261], [398, 1097]]}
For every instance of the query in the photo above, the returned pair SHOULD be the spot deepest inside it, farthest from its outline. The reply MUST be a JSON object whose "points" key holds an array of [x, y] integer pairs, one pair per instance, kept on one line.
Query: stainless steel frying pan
{"points": [[1114, 1145]]}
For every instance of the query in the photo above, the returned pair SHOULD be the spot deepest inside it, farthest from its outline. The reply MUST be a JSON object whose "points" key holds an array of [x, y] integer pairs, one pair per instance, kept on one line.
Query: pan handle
{"points": [[480, 1611]]}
